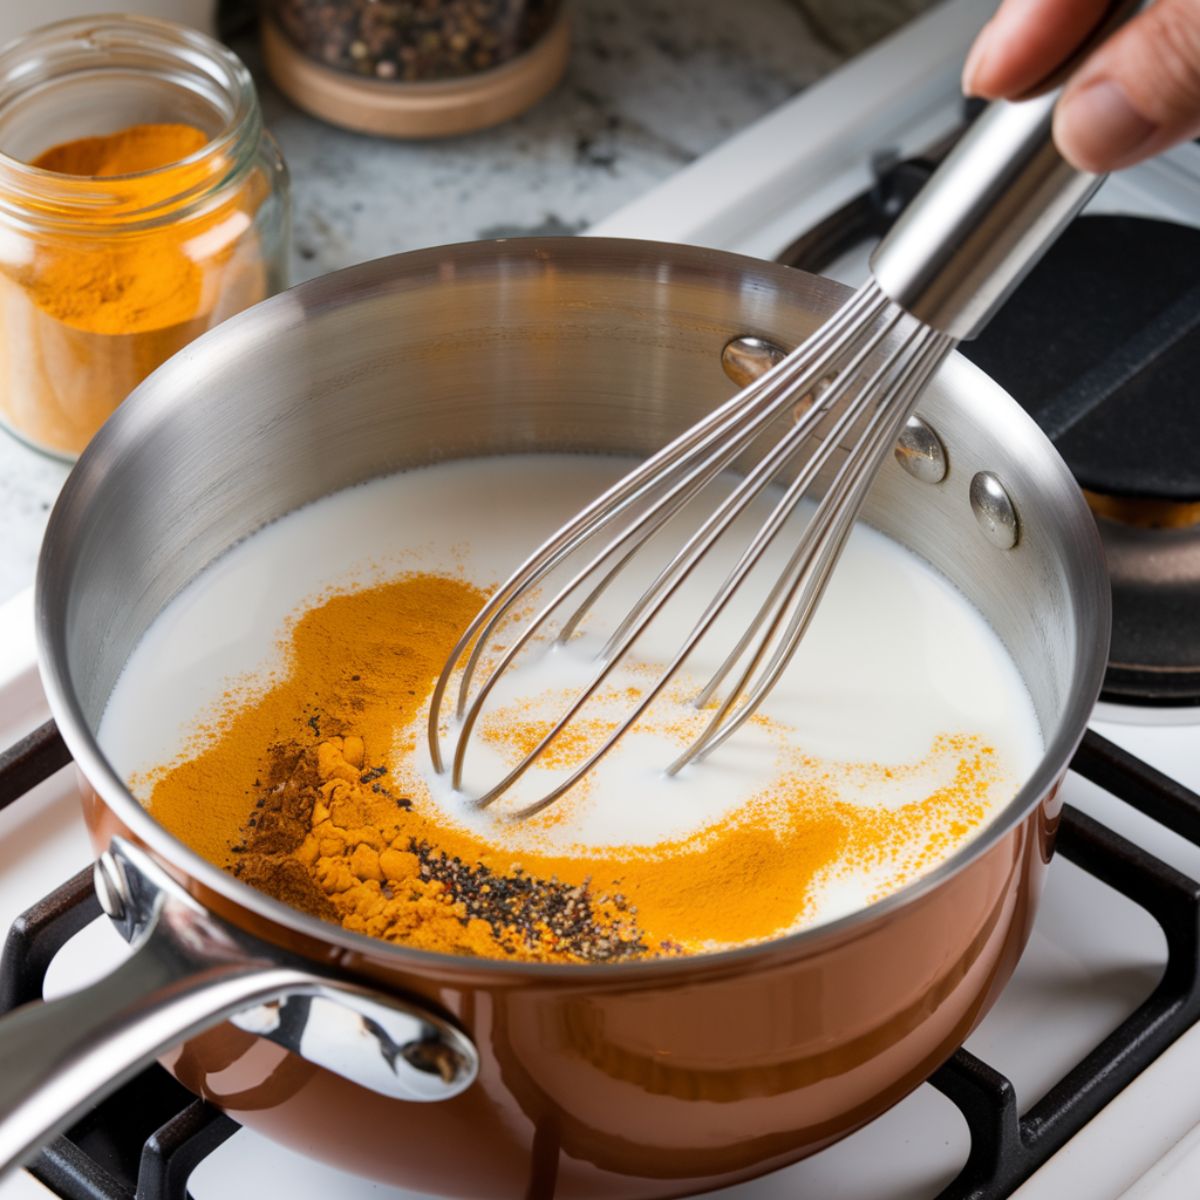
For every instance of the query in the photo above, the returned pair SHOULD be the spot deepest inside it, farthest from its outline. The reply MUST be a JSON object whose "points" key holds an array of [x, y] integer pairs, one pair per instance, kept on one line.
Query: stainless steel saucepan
{"points": [[478, 1078]]}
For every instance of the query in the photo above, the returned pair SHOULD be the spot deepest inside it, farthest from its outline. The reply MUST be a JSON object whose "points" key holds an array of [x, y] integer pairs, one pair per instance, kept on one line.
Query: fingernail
{"points": [[975, 60], [1098, 129]]}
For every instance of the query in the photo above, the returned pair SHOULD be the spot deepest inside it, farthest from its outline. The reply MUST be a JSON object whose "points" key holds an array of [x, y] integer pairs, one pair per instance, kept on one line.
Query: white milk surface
{"points": [[894, 658]]}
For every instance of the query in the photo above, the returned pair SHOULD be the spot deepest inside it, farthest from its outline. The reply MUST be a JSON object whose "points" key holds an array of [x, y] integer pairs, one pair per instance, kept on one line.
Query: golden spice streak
{"points": [[293, 790]]}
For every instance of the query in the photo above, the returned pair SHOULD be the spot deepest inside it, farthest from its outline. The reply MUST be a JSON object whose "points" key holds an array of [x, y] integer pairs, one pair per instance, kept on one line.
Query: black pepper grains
{"points": [[414, 40], [545, 912]]}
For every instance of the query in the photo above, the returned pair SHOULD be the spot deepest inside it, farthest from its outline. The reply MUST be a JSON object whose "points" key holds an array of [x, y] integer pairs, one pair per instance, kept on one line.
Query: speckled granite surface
{"points": [[651, 86]]}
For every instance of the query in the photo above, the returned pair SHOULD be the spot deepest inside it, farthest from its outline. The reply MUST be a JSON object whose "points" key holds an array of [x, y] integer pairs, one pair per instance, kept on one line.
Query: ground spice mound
{"points": [[294, 788], [328, 836]]}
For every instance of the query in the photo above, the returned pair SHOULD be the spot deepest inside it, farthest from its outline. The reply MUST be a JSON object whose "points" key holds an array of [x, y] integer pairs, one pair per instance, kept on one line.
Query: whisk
{"points": [[988, 213]]}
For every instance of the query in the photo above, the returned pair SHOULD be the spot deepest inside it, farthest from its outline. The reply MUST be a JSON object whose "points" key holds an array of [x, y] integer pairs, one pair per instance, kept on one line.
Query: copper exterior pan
{"points": [[642, 1080]]}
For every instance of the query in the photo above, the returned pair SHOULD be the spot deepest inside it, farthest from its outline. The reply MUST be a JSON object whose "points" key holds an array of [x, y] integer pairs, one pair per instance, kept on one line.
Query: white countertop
{"points": [[650, 87]]}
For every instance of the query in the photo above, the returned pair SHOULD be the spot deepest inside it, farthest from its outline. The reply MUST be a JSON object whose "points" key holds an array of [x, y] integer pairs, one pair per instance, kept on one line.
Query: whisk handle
{"points": [[995, 205]]}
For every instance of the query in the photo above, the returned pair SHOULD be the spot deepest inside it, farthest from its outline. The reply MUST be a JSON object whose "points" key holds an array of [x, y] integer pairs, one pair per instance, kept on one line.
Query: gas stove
{"points": [[1081, 1080]]}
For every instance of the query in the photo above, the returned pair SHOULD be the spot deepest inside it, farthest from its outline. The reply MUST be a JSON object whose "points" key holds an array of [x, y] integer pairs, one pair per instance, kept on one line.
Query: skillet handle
{"points": [[188, 972]]}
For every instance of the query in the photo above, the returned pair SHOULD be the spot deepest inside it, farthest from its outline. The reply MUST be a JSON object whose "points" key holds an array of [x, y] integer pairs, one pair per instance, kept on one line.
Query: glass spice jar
{"points": [[415, 68], [141, 203]]}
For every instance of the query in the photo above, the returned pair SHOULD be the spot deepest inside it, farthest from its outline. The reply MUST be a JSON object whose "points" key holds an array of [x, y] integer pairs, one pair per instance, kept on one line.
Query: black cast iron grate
{"points": [[145, 1140], [1113, 310]]}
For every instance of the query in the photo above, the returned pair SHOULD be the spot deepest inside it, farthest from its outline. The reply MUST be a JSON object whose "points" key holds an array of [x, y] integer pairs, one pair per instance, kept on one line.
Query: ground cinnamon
{"points": [[297, 789], [87, 311]]}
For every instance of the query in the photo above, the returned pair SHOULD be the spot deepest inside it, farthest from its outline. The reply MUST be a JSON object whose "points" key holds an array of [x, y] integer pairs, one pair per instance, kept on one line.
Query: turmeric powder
{"points": [[297, 788], [131, 151], [88, 308]]}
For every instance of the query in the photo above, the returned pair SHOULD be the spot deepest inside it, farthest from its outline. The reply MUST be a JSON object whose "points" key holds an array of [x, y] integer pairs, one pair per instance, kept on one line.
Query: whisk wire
{"points": [[754, 483], [671, 578], [810, 568], [830, 367], [864, 305], [782, 511], [644, 525], [761, 404]]}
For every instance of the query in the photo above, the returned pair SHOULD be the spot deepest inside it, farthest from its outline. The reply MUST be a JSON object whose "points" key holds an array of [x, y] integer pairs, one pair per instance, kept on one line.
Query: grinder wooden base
{"points": [[418, 110]]}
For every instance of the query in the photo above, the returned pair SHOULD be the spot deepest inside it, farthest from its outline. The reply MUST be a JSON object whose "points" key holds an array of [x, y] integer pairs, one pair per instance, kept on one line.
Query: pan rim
{"points": [[328, 291]]}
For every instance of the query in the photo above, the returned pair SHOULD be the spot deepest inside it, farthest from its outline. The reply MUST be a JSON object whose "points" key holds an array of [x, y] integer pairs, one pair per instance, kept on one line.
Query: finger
{"points": [[1137, 94], [1024, 42]]}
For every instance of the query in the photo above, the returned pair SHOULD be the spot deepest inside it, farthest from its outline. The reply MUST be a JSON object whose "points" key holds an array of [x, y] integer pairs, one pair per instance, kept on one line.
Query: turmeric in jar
{"points": [[140, 245], [307, 788]]}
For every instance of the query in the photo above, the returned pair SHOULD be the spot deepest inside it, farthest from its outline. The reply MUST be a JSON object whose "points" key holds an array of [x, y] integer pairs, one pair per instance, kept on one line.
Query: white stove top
{"points": [[1093, 955]]}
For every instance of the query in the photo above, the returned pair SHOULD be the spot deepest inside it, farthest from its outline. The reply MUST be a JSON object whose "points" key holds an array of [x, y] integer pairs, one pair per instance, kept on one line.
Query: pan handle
{"points": [[189, 971]]}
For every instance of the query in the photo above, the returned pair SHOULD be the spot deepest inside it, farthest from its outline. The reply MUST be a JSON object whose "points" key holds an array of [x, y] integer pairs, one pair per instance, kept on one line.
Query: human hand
{"points": [[1132, 97]]}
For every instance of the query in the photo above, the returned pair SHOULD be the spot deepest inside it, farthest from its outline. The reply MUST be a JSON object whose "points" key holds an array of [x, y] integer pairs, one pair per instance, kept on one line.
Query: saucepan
{"points": [[474, 1078]]}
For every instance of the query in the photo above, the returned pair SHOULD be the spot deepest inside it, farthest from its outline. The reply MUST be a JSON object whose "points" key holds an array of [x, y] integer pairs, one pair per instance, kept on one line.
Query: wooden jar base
{"points": [[418, 110]]}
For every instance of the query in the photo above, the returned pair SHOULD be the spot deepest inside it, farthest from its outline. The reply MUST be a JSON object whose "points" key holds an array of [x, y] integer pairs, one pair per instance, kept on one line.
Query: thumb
{"points": [[1137, 94]]}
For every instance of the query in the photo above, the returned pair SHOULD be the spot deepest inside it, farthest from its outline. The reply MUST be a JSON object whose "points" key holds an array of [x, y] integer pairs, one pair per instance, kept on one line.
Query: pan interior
{"points": [[555, 345]]}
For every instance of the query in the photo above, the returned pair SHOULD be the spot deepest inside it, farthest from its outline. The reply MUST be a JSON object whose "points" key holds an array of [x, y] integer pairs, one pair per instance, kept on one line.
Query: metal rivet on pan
{"points": [[994, 510], [746, 358], [920, 452]]}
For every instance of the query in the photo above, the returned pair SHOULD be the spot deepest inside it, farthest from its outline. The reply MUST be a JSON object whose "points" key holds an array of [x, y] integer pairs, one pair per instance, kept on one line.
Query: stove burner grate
{"points": [[1100, 345], [1007, 1148], [145, 1140], [1113, 313]]}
